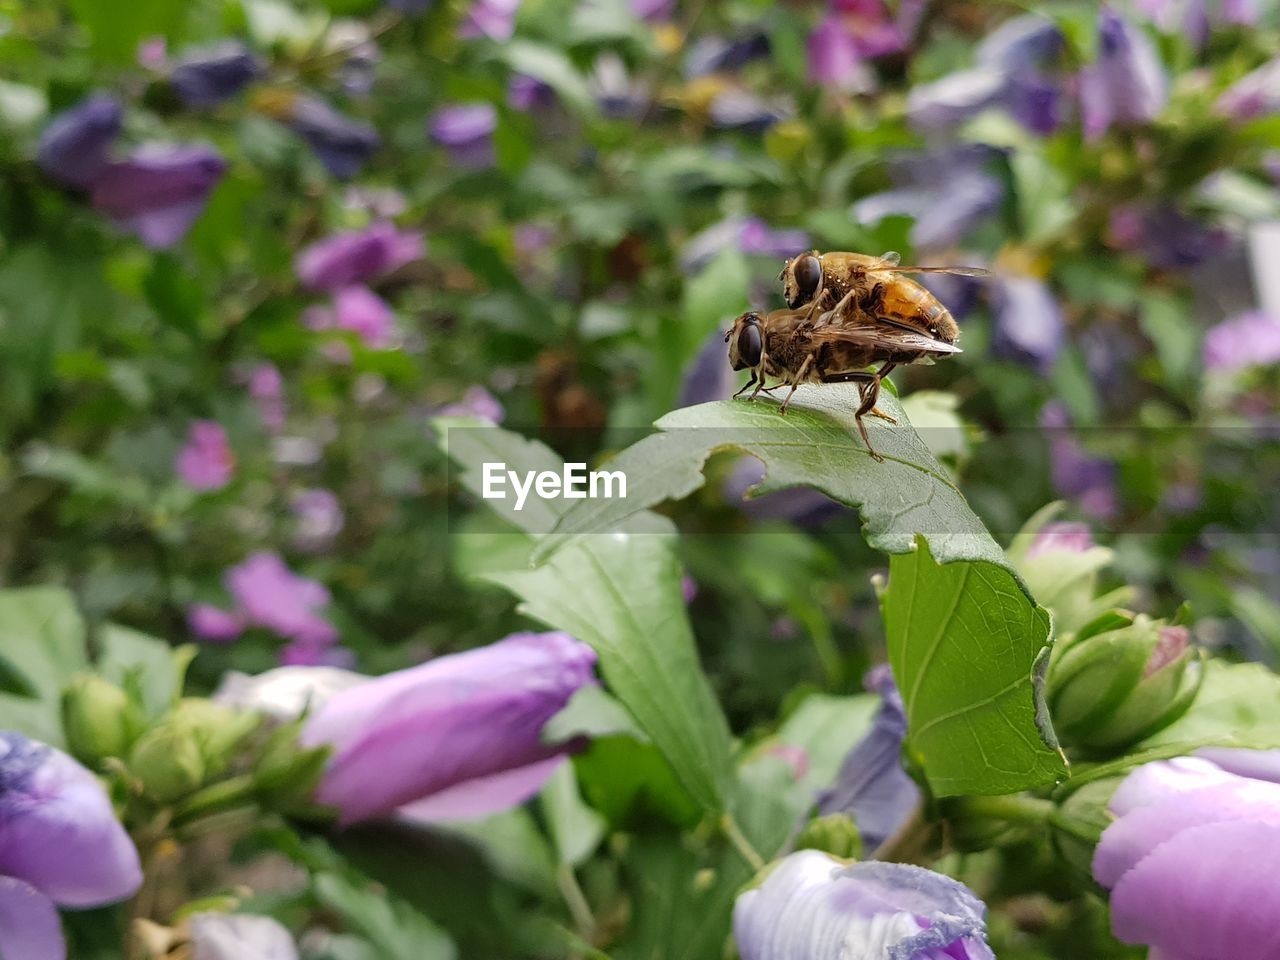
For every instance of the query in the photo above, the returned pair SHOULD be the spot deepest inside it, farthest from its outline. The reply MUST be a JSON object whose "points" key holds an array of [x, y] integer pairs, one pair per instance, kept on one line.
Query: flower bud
{"points": [[168, 762], [218, 730], [98, 719], [1122, 679], [835, 834]]}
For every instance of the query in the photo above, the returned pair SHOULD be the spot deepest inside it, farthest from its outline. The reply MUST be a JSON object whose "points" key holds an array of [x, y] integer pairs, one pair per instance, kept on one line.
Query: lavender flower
{"points": [[814, 906], [1127, 84], [159, 191], [871, 786], [457, 737], [1028, 40], [466, 131], [834, 61], [495, 19], [947, 192], [357, 310], [318, 519], [1191, 857], [73, 147], [206, 461], [476, 402], [1167, 237], [748, 234], [653, 10], [60, 844], [1249, 340], [1061, 537], [526, 93], [342, 144], [239, 936], [955, 97], [708, 376], [1089, 480], [213, 623], [1028, 323], [803, 506], [356, 256], [714, 54], [1254, 94], [266, 388], [208, 78]]}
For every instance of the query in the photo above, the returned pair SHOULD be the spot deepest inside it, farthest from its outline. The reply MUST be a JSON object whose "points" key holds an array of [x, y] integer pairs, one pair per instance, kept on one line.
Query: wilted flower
{"points": [[60, 844], [1192, 856], [159, 191], [267, 594], [358, 310], [342, 144], [207, 78], [476, 402], [871, 786], [495, 19], [239, 936], [1126, 84], [814, 906], [356, 256], [1028, 320], [457, 737], [947, 192], [319, 518], [206, 462], [466, 131], [1249, 340], [73, 147]]}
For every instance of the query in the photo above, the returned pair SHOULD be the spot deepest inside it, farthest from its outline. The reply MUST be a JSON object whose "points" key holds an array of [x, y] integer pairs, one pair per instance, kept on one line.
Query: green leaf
{"points": [[1167, 321], [575, 828], [965, 643], [42, 645], [1238, 704], [622, 595], [555, 70], [826, 728], [715, 295], [970, 662], [117, 29], [133, 660], [397, 930]]}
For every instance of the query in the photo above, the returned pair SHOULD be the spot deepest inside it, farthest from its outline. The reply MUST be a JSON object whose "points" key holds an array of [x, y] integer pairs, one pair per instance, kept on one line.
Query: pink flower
{"points": [[477, 402], [266, 387], [1061, 537], [206, 462], [1249, 340], [358, 310], [357, 256], [213, 623]]}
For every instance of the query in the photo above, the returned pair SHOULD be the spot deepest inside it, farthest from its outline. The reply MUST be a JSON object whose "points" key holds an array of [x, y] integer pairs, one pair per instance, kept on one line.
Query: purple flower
{"points": [[1028, 40], [73, 147], [477, 403], [1192, 856], [1254, 94], [956, 97], [206, 462], [466, 131], [60, 845], [495, 19], [159, 191], [1028, 320], [1061, 537], [874, 32], [1249, 340], [266, 388], [1126, 84], [342, 144], [748, 234], [457, 737], [1167, 238], [240, 936], [207, 78], [213, 623], [947, 192], [358, 310], [356, 256], [268, 594], [737, 109], [871, 786], [816, 907], [1089, 480], [715, 54], [834, 61], [318, 519], [527, 93], [708, 376], [804, 506], [653, 10]]}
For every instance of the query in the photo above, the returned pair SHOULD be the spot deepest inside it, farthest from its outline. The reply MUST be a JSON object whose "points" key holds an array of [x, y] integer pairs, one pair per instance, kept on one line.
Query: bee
{"points": [[873, 286], [835, 348]]}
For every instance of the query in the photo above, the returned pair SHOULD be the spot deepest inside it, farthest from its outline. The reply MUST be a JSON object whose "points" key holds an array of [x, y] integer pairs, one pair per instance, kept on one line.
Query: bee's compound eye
{"points": [[749, 344], [808, 276]]}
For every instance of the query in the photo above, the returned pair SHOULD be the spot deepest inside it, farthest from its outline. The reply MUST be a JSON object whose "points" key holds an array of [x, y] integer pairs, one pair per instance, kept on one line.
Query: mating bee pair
{"points": [[845, 311]]}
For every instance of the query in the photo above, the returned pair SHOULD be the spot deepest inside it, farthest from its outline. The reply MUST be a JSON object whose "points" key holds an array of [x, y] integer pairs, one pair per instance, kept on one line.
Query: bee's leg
{"points": [[868, 391], [746, 385], [880, 375], [800, 375]]}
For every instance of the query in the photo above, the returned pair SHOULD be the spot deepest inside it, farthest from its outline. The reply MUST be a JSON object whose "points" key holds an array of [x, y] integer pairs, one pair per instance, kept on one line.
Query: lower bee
{"points": [[835, 348], [874, 286]]}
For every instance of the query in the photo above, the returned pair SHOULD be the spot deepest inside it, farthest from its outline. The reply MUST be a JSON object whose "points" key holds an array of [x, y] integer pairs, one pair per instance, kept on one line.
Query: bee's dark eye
{"points": [[808, 276], [749, 344]]}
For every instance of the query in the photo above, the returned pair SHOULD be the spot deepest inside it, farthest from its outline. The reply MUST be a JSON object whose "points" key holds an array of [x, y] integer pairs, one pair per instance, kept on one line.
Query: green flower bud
{"points": [[286, 774], [1120, 680], [218, 730], [835, 834], [99, 719], [168, 761]]}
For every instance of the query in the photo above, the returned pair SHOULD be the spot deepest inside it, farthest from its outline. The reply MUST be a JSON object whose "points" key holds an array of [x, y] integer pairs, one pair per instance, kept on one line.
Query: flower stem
{"points": [[576, 901], [740, 842]]}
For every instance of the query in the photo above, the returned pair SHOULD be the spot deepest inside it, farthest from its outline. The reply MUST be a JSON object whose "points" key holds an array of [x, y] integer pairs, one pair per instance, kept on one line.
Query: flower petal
{"points": [[483, 796], [29, 925], [240, 936]]}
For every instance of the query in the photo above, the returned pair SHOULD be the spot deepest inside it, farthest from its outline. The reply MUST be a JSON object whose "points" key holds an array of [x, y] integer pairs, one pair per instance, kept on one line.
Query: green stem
{"points": [[576, 900], [1014, 808], [740, 842], [215, 799]]}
